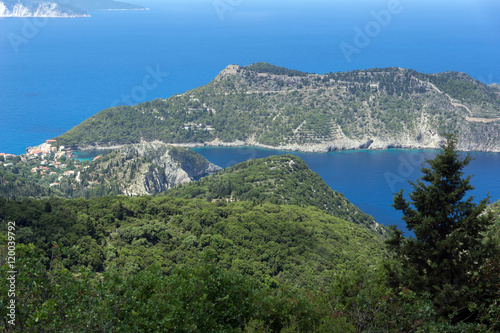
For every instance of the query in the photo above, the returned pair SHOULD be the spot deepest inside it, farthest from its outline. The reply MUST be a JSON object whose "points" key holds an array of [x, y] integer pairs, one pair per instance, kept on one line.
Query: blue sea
{"points": [[55, 73], [370, 178]]}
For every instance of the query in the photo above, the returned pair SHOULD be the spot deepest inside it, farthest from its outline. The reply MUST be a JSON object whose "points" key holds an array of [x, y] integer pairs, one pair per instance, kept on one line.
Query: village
{"points": [[47, 163]]}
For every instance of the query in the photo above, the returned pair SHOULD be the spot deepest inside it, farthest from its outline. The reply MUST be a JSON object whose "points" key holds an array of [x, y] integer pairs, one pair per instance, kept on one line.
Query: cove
{"points": [[369, 178]]}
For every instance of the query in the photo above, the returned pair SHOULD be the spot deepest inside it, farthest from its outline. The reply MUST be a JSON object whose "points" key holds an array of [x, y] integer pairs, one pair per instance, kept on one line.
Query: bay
{"points": [[370, 178], [88, 155]]}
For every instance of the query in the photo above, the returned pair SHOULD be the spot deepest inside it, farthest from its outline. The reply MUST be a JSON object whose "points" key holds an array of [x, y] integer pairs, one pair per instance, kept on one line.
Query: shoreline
{"points": [[312, 148], [86, 15]]}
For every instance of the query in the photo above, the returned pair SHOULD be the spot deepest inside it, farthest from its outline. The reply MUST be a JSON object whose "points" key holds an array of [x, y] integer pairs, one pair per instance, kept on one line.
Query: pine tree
{"points": [[449, 247]]}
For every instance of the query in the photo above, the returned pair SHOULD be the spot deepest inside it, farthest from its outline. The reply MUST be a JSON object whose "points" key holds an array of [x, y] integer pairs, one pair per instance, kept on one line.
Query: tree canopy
{"points": [[450, 251]]}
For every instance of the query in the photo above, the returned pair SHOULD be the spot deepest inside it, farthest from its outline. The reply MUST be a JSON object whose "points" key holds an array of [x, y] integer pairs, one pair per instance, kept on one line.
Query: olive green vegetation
{"points": [[263, 67], [274, 243], [163, 264], [200, 298], [284, 179], [274, 106], [160, 264], [13, 185]]}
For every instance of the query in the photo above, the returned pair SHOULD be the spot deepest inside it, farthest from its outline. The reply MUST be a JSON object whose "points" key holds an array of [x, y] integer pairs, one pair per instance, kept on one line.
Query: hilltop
{"points": [[274, 107], [284, 179]]}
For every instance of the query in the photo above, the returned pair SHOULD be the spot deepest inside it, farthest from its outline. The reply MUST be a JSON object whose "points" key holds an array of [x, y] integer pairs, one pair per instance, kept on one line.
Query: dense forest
{"points": [[168, 264], [166, 170], [284, 179], [274, 243]]}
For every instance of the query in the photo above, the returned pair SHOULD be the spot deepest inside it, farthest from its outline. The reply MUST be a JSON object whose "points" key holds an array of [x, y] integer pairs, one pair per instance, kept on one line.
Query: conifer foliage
{"points": [[449, 250]]}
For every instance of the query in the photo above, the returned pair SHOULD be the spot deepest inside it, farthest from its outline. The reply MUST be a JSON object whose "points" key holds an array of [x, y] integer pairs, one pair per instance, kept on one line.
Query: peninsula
{"points": [[273, 107]]}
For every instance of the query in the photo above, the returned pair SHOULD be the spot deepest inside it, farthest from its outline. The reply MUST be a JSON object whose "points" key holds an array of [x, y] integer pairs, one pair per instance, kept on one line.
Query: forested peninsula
{"points": [[273, 107]]}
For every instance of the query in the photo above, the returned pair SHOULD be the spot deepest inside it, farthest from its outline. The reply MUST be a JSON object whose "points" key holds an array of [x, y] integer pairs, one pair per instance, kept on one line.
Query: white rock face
{"points": [[37, 9], [157, 167]]}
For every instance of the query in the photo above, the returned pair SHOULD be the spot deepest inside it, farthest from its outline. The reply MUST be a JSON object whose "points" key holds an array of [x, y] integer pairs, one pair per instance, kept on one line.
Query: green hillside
{"points": [[284, 179], [243, 261], [272, 106], [275, 244], [16, 186]]}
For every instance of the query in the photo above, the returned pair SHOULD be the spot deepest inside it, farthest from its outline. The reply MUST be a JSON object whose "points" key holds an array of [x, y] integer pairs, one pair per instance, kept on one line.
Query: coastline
{"points": [[48, 16], [352, 145], [85, 14], [111, 9]]}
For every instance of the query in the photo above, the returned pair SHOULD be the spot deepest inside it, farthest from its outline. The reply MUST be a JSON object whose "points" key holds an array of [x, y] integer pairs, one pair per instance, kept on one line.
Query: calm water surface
{"points": [[370, 178]]}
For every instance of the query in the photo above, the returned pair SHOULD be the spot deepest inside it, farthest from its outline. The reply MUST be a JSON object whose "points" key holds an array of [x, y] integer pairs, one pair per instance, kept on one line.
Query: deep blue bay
{"points": [[369, 178]]}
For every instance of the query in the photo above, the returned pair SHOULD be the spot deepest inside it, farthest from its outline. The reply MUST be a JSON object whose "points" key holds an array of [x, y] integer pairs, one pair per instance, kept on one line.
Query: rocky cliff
{"points": [[38, 8], [53, 8], [146, 168]]}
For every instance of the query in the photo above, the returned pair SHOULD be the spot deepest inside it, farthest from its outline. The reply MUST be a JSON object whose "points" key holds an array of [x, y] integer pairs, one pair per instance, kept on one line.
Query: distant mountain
{"points": [[284, 179], [38, 8], [53, 8], [274, 107]]}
